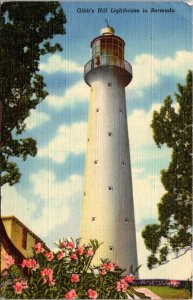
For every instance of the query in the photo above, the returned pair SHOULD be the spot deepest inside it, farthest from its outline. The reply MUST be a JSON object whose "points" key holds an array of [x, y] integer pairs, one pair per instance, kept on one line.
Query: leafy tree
{"points": [[26, 30], [173, 127]]}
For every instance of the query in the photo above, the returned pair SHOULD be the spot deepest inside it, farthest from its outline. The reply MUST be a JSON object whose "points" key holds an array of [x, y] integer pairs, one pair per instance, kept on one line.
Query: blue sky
{"points": [[48, 198]]}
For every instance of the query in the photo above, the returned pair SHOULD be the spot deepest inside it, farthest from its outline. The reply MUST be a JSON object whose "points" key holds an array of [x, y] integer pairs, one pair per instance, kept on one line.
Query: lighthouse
{"points": [[108, 210]]}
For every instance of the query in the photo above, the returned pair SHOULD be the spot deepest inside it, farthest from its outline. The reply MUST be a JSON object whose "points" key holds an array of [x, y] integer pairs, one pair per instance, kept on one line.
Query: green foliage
{"points": [[173, 127], [26, 29], [51, 275]]}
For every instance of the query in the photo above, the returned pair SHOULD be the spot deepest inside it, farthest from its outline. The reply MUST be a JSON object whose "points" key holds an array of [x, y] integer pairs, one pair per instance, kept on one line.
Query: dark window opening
{"points": [[84, 193], [110, 188], [111, 248], [110, 133], [120, 110], [95, 162], [88, 140], [93, 219], [24, 238], [109, 83], [126, 220], [123, 163], [97, 110]]}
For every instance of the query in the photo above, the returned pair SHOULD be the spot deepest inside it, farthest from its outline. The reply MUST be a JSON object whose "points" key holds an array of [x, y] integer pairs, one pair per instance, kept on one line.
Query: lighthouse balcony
{"points": [[107, 61]]}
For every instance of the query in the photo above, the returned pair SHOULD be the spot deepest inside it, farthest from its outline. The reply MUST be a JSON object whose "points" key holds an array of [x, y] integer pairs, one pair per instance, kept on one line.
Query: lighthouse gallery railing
{"points": [[107, 61]]}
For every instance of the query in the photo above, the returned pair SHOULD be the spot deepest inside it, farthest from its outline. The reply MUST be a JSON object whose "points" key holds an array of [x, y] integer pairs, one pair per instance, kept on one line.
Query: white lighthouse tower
{"points": [[108, 212]]}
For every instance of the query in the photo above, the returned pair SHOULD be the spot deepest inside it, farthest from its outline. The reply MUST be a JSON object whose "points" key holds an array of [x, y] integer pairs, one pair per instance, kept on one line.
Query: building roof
{"points": [[21, 224]]}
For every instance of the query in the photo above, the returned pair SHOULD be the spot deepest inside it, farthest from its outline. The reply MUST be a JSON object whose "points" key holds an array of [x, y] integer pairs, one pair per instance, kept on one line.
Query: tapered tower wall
{"points": [[108, 213]]}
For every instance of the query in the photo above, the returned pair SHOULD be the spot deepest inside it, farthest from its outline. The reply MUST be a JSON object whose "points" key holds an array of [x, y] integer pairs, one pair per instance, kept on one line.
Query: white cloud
{"points": [[142, 145], [78, 93], [36, 119], [52, 205], [147, 192], [140, 132], [14, 204], [147, 69], [68, 140], [189, 2], [56, 63], [57, 197]]}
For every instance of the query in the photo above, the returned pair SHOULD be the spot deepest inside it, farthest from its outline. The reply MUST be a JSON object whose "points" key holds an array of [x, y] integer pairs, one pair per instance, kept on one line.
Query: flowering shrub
{"points": [[66, 274], [173, 283]]}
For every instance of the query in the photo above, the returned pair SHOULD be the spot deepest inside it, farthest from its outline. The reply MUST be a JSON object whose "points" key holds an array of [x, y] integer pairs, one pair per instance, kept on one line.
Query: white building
{"points": [[108, 213]]}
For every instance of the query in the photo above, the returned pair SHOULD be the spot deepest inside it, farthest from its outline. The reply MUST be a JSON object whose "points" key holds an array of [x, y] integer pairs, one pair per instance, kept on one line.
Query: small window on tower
{"points": [[110, 133], [88, 140], [126, 220], [123, 163], [97, 110], [93, 219], [95, 162], [84, 193], [24, 238], [110, 188], [120, 110], [109, 84], [111, 248]]}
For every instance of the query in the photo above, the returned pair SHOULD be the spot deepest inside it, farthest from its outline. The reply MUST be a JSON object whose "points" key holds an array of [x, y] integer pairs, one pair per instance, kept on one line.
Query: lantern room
{"points": [[107, 44], [108, 51]]}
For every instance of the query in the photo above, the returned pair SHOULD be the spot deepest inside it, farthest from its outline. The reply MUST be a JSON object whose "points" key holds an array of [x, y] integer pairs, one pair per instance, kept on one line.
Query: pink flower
{"points": [[49, 255], [89, 252], [110, 266], [129, 278], [47, 276], [51, 281], [23, 263], [73, 256], [80, 250], [118, 287], [71, 295], [103, 272], [46, 272], [30, 264], [19, 286], [71, 245], [122, 286], [63, 244], [44, 280], [92, 294], [9, 261], [75, 278], [60, 255], [38, 248]]}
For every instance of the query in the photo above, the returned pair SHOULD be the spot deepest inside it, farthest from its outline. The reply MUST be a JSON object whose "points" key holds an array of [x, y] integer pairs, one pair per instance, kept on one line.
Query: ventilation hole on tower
{"points": [[84, 193], [120, 110], [110, 188], [97, 110], [126, 220], [110, 133], [95, 162], [123, 163], [109, 84], [93, 219], [111, 248], [88, 140]]}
